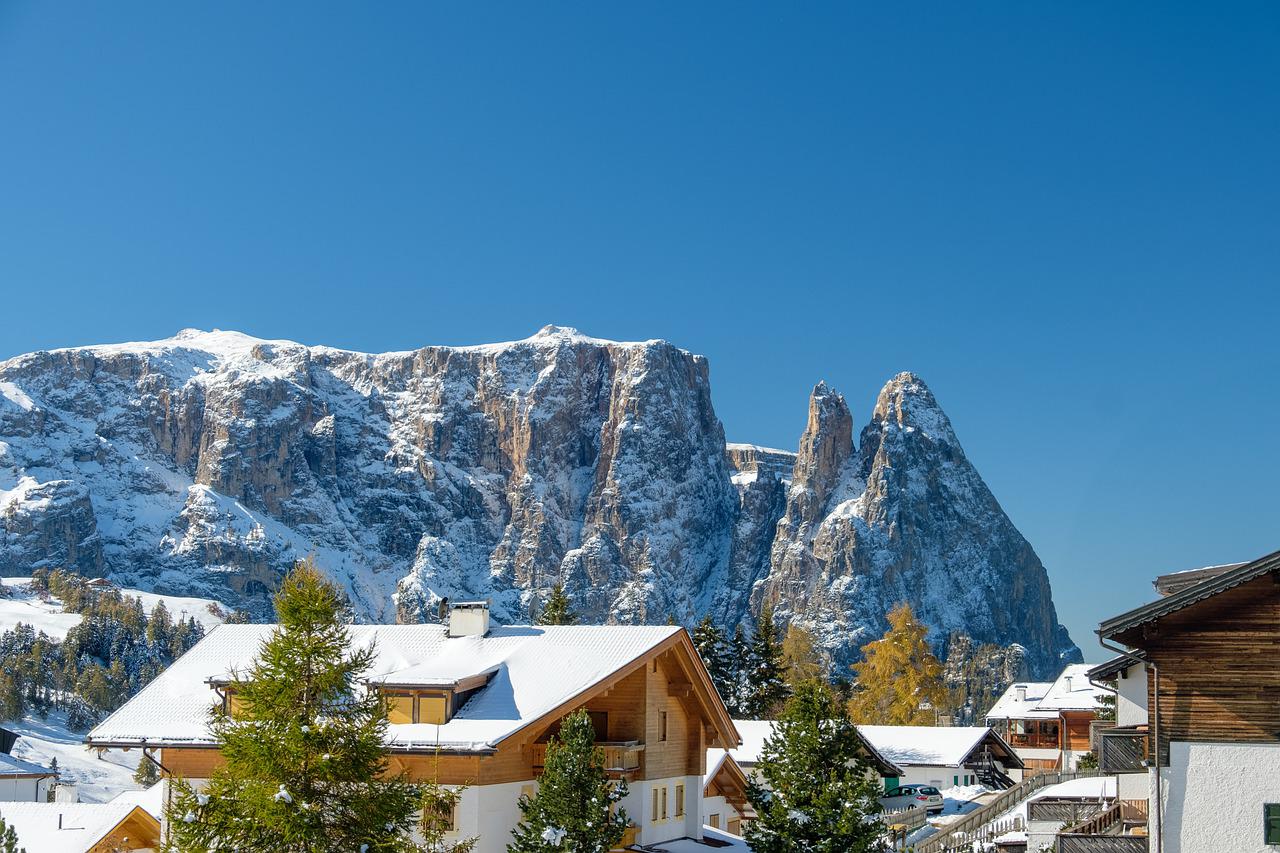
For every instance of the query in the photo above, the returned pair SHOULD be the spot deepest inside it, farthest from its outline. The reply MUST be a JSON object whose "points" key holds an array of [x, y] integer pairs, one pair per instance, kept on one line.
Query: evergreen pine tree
{"points": [[736, 671], [9, 839], [306, 769], [712, 647], [557, 610], [813, 793], [899, 679], [765, 682], [571, 810], [146, 775]]}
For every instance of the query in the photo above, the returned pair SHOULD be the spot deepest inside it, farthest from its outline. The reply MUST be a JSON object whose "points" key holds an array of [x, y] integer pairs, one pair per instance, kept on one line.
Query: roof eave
{"points": [[1116, 625]]}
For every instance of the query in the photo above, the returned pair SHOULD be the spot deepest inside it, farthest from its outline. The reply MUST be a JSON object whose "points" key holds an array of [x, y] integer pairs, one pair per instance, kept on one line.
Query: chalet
{"points": [[82, 827], [945, 756], [724, 793], [474, 705], [1210, 646], [1047, 723], [22, 781]]}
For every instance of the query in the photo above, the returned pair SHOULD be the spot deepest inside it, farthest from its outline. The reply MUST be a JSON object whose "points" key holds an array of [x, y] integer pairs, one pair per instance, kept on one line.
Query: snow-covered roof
{"points": [[63, 827], [533, 670], [150, 799], [936, 746], [755, 732], [10, 766], [1071, 691], [1011, 707]]}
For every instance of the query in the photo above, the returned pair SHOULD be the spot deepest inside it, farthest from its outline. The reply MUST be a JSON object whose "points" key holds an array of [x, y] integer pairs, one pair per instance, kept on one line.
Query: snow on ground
{"points": [[46, 616], [956, 801], [24, 605], [97, 779]]}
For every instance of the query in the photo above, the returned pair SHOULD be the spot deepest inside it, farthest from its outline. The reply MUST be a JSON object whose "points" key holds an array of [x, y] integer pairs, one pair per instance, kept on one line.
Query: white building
{"points": [[1047, 723], [22, 781], [945, 756]]}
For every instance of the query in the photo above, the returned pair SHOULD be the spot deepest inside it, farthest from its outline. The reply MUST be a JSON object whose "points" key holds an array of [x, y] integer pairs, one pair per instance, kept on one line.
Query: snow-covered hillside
{"points": [[19, 603], [203, 464]]}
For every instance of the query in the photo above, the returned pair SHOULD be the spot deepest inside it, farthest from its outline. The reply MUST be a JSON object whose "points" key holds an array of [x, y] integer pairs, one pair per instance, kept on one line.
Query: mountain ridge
{"points": [[205, 462]]}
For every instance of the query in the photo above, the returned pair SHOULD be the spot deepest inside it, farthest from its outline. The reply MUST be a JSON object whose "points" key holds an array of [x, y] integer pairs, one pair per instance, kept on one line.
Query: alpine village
{"points": [[233, 689]]}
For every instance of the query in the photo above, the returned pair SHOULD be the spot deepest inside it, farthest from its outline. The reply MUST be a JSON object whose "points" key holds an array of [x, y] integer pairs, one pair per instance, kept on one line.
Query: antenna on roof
{"points": [[443, 610]]}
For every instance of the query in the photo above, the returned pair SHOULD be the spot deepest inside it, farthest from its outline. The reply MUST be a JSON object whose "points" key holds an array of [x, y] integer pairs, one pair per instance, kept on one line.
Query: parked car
{"points": [[906, 796]]}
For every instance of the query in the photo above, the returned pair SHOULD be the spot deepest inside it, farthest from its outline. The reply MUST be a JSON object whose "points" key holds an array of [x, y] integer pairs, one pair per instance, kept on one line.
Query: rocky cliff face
{"points": [[903, 516], [204, 464]]}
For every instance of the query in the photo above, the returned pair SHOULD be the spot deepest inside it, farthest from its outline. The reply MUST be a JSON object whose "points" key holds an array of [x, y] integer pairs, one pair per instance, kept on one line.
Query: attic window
{"points": [[407, 708]]}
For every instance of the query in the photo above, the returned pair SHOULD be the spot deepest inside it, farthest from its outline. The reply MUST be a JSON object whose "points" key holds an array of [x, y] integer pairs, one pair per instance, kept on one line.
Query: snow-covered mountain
{"points": [[205, 463]]}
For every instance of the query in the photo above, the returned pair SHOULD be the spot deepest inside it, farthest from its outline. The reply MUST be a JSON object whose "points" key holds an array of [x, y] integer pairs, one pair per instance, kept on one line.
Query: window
{"points": [[714, 821], [440, 818], [433, 709], [655, 664], [399, 709], [654, 810], [600, 722], [679, 800], [662, 725], [955, 780], [664, 802], [1271, 823]]}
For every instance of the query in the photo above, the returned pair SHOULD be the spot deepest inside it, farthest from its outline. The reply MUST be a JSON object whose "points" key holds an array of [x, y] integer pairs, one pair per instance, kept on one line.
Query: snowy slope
{"points": [[23, 605]]}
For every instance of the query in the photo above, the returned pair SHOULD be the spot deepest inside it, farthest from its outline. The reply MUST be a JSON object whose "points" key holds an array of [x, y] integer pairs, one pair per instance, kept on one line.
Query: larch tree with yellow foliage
{"points": [[899, 679]]}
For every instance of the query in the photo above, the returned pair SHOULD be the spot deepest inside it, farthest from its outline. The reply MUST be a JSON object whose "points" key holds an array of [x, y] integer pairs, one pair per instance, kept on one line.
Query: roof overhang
{"points": [[886, 768], [1116, 625]]}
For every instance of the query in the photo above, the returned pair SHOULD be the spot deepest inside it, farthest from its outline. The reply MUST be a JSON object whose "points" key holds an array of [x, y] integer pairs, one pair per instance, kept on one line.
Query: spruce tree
{"points": [[899, 679], [146, 775], [712, 647], [557, 610], [9, 839], [737, 670], [765, 682], [814, 793], [306, 769], [573, 807]]}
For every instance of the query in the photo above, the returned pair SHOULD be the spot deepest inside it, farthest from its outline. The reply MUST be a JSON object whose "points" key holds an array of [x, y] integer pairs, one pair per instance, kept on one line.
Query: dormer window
{"points": [[414, 707]]}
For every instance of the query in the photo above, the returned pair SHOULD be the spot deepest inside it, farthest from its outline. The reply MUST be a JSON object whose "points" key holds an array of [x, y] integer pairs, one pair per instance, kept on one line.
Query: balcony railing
{"points": [[1033, 741], [621, 758], [1122, 751]]}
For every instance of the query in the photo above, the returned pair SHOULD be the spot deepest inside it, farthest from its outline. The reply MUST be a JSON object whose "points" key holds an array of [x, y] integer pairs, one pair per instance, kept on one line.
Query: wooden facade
{"points": [[1216, 671], [660, 711]]}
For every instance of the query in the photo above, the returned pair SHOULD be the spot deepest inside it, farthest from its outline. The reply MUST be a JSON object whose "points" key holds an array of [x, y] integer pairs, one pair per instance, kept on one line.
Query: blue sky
{"points": [[1063, 216]]}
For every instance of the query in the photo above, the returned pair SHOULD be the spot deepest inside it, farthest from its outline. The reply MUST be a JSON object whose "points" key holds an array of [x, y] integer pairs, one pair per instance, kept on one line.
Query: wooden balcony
{"points": [[622, 759], [1121, 828], [1033, 740], [1122, 751]]}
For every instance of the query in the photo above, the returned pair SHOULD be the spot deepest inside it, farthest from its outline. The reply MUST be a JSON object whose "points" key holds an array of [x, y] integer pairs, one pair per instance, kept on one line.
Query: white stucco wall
{"points": [[1131, 697], [20, 790], [639, 806], [924, 774], [717, 805], [1213, 795]]}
